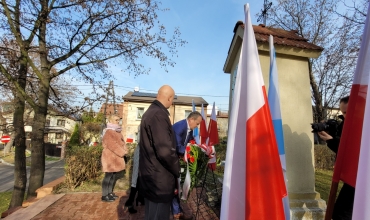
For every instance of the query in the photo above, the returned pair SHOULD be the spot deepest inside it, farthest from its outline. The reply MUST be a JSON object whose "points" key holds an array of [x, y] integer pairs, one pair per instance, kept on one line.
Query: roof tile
{"points": [[281, 37]]}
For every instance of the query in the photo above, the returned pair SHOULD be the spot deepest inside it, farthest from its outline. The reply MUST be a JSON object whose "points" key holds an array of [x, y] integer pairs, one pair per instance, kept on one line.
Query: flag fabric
{"points": [[212, 128], [274, 104], [253, 184], [195, 131], [203, 127], [212, 138], [349, 148], [362, 195], [187, 181]]}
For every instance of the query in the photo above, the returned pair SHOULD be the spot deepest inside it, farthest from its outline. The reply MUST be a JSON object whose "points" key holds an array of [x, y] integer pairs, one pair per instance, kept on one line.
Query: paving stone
{"points": [[89, 206]]}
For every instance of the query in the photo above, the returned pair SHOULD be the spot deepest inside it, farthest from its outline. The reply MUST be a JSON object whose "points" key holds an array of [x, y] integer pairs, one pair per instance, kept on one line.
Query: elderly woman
{"points": [[114, 149]]}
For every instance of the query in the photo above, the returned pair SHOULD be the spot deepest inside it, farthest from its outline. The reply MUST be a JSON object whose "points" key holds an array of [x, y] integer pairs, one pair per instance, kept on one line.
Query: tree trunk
{"points": [[37, 140], [318, 109], [37, 153], [20, 173]]}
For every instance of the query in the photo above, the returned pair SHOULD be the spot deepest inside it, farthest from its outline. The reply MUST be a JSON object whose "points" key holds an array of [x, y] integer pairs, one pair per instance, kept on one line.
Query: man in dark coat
{"points": [[159, 166], [344, 204]]}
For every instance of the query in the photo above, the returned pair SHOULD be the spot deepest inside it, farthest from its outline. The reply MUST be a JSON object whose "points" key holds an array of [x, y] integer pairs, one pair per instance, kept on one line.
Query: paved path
{"points": [[81, 206], [53, 170]]}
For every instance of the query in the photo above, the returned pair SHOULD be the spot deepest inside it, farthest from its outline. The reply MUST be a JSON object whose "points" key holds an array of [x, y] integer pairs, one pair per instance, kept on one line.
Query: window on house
{"points": [[140, 112], [58, 135], [47, 122], [61, 122], [187, 113]]}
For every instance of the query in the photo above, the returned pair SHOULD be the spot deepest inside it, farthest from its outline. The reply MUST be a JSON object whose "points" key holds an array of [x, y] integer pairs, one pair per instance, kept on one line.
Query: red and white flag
{"points": [[212, 138], [203, 127], [350, 142], [359, 92], [253, 185], [212, 128]]}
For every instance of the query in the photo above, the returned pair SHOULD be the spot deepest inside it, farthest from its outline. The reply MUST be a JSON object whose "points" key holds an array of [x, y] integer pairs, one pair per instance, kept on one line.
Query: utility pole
{"points": [[110, 92], [263, 15]]}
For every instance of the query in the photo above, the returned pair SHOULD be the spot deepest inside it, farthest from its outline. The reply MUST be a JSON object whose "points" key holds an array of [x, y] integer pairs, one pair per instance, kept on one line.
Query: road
{"points": [[53, 170]]}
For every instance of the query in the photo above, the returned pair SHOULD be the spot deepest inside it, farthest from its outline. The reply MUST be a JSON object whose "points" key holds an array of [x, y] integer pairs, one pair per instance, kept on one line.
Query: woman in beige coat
{"points": [[114, 148]]}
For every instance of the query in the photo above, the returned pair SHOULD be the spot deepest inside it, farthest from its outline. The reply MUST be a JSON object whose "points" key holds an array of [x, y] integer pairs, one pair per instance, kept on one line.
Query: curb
{"points": [[42, 192], [6, 163]]}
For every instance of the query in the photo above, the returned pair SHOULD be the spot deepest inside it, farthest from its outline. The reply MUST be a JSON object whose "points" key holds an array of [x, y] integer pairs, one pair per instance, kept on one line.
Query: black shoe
{"points": [[132, 210], [107, 199], [113, 195]]}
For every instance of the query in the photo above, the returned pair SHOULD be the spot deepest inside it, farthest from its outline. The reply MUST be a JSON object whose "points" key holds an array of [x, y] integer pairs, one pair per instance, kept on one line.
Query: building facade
{"points": [[136, 103], [58, 127]]}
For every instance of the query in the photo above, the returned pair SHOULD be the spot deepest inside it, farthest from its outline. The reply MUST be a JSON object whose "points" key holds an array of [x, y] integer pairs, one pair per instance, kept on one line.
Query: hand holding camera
{"points": [[324, 136]]}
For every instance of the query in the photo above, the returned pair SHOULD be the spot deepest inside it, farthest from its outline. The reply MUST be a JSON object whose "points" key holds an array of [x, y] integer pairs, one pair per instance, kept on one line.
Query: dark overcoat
{"points": [[158, 164]]}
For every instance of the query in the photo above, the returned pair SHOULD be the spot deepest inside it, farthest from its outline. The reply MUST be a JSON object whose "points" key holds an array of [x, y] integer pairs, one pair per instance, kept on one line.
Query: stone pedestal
{"points": [[306, 206]]}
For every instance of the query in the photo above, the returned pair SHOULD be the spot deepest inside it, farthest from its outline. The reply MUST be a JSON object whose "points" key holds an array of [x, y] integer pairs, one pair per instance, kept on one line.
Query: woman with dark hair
{"points": [[114, 149]]}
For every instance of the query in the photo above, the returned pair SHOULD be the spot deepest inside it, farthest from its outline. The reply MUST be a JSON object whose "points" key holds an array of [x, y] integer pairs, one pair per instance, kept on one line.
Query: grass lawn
{"points": [[323, 183], [122, 184], [5, 201]]}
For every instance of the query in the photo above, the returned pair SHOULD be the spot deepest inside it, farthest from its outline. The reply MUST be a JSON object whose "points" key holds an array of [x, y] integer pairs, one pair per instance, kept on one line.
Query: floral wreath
{"points": [[194, 165]]}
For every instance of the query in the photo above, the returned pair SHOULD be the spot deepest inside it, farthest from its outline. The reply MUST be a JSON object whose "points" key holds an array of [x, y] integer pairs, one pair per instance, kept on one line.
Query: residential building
{"points": [[136, 103], [110, 108], [58, 127]]}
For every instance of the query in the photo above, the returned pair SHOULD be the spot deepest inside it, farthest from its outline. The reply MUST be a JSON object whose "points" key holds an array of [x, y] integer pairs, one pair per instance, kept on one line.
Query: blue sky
{"points": [[207, 26]]}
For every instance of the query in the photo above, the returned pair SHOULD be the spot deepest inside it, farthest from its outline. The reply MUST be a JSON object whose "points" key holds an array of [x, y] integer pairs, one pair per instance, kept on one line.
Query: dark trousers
{"points": [[108, 183], [344, 204], [176, 208], [157, 211]]}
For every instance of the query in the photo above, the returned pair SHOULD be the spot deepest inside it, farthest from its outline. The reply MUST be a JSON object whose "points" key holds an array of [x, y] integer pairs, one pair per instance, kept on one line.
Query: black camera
{"points": [[329, 126]]}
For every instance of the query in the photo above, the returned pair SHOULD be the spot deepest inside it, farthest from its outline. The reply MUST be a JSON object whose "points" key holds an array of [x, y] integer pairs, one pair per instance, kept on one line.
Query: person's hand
{"points": [[324, 136]]}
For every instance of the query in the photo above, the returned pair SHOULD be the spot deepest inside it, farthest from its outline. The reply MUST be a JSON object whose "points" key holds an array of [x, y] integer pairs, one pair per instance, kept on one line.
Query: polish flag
{"points": [[253, 185], [203, 127], [212, 138], [212, 128], [358, 112], [350, 142]]}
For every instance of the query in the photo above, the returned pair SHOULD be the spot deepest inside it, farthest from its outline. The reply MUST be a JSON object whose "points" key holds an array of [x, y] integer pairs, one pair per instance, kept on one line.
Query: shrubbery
{"points": [[82, 164], [324, 157], [221, 154]]}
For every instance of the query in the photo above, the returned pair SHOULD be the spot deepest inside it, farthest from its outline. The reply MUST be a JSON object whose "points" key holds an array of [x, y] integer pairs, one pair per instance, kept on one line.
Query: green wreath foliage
{"points": [[197, 167]]}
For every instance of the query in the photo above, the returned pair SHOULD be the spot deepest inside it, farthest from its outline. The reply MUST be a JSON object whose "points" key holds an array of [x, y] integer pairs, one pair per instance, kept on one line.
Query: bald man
{"points": [[159, 166]]}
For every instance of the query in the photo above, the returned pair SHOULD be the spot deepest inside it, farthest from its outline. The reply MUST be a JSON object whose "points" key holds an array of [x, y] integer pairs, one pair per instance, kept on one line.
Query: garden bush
{"points": [[324, 157], [82, 163]]}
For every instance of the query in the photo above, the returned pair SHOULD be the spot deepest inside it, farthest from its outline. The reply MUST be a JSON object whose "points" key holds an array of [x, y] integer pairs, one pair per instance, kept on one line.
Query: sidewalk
{"points": [[80, 206], [88, 205]]}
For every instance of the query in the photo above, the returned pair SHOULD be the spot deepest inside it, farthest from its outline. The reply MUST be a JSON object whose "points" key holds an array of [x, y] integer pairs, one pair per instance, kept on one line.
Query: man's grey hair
{"points": [[194, 115]]}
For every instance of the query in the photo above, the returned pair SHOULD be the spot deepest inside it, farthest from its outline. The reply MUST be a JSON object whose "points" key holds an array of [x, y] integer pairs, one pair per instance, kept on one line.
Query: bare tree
{"points": [[331, 74], [78, 38]]}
